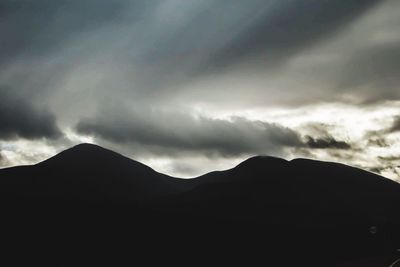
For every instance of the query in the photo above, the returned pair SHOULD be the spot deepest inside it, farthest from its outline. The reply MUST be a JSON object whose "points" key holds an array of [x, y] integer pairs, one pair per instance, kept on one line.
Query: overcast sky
{"points": [[190, 86]]}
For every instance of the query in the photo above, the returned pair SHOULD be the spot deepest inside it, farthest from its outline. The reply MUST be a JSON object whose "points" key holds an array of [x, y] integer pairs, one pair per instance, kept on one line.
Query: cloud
{"points": [[326, 143], [379, 137], [395, 126], [390, 163], [390, 158], [19, 119], [318, 136], [378, 141], [184, 170], [372, 67], [185, 133], [160, 49], [3, 160], [287, 27], [38, 28]]}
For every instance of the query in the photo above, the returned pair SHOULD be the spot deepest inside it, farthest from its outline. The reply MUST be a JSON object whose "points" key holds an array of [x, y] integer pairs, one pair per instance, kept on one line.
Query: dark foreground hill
{"points": [[89, 206]]}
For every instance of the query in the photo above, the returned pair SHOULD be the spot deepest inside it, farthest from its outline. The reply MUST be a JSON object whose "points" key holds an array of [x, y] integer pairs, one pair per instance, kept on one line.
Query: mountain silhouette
{"points": [[92, 206], [87, 173]]}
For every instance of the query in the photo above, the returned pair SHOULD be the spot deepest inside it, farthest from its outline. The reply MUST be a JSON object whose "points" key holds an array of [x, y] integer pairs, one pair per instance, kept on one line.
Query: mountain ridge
{"points": [[93, 148], [99, 197]]}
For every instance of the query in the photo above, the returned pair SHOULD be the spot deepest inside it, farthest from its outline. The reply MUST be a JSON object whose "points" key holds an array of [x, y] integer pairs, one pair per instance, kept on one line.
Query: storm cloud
{"points": [[184, 133], [19, 119]]}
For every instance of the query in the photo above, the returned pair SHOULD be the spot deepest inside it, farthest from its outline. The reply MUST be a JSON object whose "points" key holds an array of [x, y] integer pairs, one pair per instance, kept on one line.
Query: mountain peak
{"points": [[86, 153], [88, 150], [87, 147], [262, 161]]}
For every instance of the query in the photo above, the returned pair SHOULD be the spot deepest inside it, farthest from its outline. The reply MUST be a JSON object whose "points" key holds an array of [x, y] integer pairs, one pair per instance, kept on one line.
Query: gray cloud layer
{"points": [[19, 119], [144, 49], [180, 132], [37, 28], [289, 26]]}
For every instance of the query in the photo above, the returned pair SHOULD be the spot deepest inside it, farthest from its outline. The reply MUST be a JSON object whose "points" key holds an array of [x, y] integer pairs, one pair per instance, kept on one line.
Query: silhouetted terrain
{"points": [[90, 206]]}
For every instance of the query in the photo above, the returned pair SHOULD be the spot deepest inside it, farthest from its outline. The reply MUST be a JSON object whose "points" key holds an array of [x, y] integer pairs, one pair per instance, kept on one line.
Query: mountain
{"points": [[89, 203], [86, 172], [303, 191]]}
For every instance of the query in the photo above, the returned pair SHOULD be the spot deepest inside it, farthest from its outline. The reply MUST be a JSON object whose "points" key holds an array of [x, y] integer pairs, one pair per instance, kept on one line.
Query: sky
{"points": [[190, 86]]}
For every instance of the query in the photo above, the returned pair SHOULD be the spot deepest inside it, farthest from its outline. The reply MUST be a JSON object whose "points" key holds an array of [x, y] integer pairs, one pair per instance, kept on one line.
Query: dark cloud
{"points": [[318, 136], [290, 26], [37, 28], [373, 67], [326, 143], [155, 50], [182, 132], [19, 119]]}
